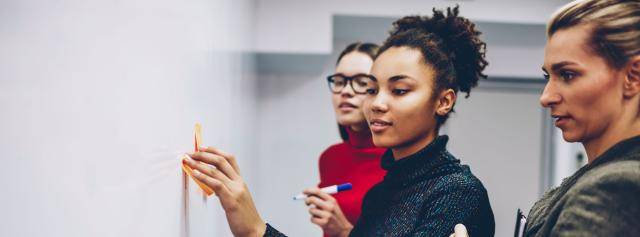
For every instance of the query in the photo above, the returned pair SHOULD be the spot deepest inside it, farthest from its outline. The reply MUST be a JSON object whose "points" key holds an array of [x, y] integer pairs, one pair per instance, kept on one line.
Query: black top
{"points": [[425, 194], [600, 199]]}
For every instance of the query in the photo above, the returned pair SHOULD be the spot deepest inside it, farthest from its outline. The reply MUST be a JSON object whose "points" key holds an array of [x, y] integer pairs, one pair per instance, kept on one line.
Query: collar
{"points": [[422, 164]]}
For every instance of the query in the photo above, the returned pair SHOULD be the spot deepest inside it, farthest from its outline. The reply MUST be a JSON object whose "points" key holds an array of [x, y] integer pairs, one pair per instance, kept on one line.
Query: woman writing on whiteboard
{"points": [[415, 79]]}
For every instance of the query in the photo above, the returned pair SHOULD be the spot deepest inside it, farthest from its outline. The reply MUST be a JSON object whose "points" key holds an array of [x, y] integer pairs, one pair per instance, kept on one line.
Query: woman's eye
{"points": [[567, 75], [546, 76], [399, 91], [372, 91]]}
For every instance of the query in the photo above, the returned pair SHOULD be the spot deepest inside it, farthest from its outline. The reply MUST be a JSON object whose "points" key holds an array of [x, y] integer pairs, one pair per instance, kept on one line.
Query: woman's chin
{"points": [[570, 137], [383, 142], [349, 121]]}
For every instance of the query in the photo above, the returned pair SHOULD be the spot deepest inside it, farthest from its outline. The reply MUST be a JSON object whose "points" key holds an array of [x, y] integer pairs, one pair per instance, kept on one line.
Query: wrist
{"points": [[346, 230], [259, 229], [250, 229]]}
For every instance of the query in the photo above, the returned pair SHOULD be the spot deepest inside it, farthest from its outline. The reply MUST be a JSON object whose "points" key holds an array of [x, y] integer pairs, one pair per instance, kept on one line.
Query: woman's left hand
{"points": [[326, 213]]}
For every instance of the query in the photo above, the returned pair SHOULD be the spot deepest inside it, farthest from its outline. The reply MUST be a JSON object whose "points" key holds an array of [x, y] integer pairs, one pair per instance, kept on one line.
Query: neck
{"points": [[359, 127], [617, 132], [404, 151]]}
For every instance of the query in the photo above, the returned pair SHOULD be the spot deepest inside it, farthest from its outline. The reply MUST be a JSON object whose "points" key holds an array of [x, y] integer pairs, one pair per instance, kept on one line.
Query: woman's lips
{"points": [[561, 120], [346, 107], [379, 125]]}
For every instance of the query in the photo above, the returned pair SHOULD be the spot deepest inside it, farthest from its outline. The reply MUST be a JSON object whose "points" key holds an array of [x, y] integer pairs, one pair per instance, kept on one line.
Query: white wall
{"points": [[296, 125], [99, 98], [304, 26]]}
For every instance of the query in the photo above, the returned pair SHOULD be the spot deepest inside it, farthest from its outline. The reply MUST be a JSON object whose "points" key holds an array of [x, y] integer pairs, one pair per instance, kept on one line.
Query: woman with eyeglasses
{"points": [[356, 160], [415, 79]]}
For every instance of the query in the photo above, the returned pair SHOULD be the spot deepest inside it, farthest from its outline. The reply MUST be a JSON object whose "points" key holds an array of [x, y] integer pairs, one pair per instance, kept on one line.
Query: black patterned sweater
{"points": [[425, 194]]}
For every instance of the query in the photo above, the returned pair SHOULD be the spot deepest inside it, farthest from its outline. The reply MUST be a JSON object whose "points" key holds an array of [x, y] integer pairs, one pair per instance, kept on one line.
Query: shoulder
{"points": [[334, 148], [459, 197], [332, 151], [461, 181], [455, 177], [613, 180], [461, 189], [626, 169], [603, 202]]}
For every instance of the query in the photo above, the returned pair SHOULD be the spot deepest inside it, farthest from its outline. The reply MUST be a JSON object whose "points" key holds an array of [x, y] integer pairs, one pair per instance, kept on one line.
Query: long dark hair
{"points": [[371, 50]]}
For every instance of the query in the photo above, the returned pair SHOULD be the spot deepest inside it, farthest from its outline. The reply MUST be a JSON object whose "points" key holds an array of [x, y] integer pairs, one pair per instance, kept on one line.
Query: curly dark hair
{"points": [[449, 43]]}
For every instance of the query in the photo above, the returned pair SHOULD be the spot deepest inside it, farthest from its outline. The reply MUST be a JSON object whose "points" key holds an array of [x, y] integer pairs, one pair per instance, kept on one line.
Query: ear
{"points": [[446, 100], [632, 78]]}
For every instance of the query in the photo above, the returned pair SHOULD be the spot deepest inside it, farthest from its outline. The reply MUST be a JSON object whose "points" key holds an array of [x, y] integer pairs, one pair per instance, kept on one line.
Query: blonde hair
{"points": [[615, 25]]}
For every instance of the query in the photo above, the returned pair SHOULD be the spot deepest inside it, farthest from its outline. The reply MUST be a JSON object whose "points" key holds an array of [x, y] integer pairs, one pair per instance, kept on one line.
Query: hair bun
{"points": [[456, 37]]}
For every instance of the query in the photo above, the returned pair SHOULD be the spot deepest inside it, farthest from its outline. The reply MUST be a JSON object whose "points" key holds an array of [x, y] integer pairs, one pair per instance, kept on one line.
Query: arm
{"points": [[605, 205]]}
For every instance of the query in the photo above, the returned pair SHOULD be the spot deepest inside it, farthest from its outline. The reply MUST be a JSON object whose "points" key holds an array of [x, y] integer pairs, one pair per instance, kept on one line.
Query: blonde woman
{"points": [[592, 67]]}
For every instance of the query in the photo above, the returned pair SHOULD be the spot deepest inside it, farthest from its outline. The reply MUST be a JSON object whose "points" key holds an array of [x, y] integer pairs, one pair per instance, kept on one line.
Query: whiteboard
{"points": [[98, 100]]}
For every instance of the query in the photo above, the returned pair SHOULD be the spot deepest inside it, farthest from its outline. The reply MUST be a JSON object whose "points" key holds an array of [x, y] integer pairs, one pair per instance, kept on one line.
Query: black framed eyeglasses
{"points": [[359, 83]]}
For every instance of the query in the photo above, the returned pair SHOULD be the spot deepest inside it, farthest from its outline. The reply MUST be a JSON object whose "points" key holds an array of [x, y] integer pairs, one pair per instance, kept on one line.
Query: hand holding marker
{"points": [[328, 190]]}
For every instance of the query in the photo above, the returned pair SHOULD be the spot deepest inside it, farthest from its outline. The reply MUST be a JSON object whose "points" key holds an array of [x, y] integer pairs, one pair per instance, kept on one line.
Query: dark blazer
{"points": [[600, 199]]}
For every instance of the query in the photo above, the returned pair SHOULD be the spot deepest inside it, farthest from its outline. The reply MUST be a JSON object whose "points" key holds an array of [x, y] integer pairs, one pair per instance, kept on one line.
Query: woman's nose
{"points": [[347, 91], [549, 96], [379, 104]]}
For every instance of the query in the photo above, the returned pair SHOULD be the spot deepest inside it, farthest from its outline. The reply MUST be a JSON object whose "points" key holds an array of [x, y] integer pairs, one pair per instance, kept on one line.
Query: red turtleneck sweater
{"points": [[356, 161]]}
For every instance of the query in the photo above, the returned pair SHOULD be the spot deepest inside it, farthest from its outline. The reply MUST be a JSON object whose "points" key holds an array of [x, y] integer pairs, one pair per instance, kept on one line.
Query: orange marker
{"points": [[198, 141]]}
